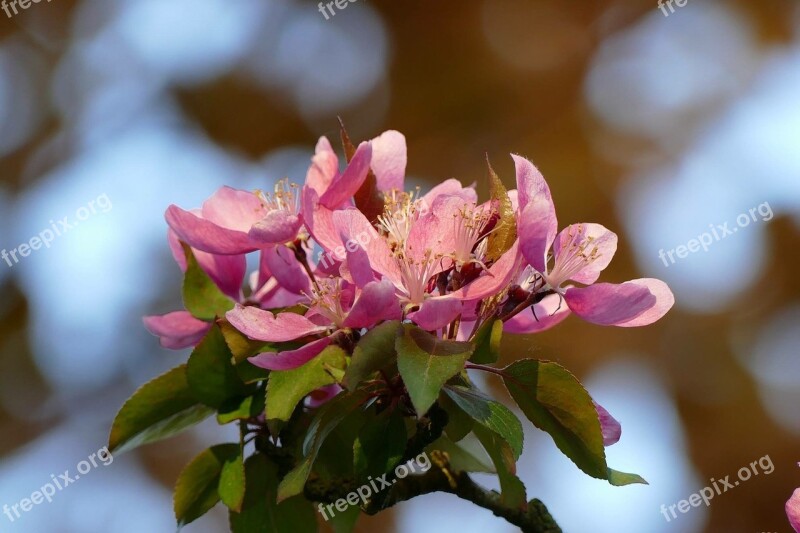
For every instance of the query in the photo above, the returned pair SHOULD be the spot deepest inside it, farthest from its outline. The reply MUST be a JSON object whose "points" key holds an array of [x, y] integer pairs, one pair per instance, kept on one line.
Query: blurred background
{"points": [[659, 127]]}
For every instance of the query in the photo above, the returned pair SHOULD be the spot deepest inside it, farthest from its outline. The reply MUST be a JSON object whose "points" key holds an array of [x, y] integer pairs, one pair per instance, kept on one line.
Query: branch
{"points": [[533, 519]]}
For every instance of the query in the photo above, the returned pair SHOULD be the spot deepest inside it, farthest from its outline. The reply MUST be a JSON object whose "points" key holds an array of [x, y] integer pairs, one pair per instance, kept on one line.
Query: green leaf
{"points": [[491, 414], [232, 481], [375, 351], [426, 363], [261, 513], [502, 237], [459, 423], [201, 296], [465, 456], [249, 373], [335, 461], [197, 489], [380, 444], [249, 407], [324, 422], [620, 479], [512, 490], [345, 521], [487, 342], [288, 387], [159, 409], [210, 372], [556, 402]]}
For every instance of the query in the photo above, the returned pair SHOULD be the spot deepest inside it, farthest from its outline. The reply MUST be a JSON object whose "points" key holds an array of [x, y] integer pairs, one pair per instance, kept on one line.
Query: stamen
{"points": [[416, 274], [326, 299], [285, 197], [578, 252], [470, 234], [402, 210]]}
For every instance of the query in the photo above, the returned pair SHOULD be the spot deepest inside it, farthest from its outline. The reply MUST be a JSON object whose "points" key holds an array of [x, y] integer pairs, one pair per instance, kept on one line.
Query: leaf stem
{"points": [[484, 368]]}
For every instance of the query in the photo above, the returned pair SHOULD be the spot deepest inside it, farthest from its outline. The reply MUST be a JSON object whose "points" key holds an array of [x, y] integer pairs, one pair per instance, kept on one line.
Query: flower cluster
{"points": [[442, 260], [372, 341]]}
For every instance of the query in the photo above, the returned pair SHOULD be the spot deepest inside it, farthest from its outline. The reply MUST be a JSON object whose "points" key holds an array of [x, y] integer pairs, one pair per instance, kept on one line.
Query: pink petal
{"points": [[206, 235], [530, 182], [465, 330], [176, 249], [347, 184], [537, 227], [513, 196], [222, 224], [290, 359], [319, 221], [664, 302], [233, 209], [264, 272], [323, 395], [285, 267], [177, 330], [426, 238], [548, 315], [355, 233], [324, 167], [277, 227], [435, 231], [262, 325], [575, 237], [226, 271], [612, 430], [389, 158], [497, 278], [793, 510], [352, 225], [357, 269], [278, 297], [451, 187], [376, 303], [609, 304], [436, 313]]}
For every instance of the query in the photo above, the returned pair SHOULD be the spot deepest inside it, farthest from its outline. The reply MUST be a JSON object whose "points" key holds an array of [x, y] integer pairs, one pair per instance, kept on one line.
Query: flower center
{"points": [[285, 197], [326, 299], [415, 274], [402, 210], [576, 253], [469, 228]]}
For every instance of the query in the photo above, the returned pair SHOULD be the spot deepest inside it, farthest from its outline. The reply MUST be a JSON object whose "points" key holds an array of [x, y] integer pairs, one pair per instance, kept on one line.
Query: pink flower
{"points": [[612, 430], [326, 190], [374, 303], [793, 509], [416, 245], [180, 329], [235, 222], [177, 330], [579, 254]]}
